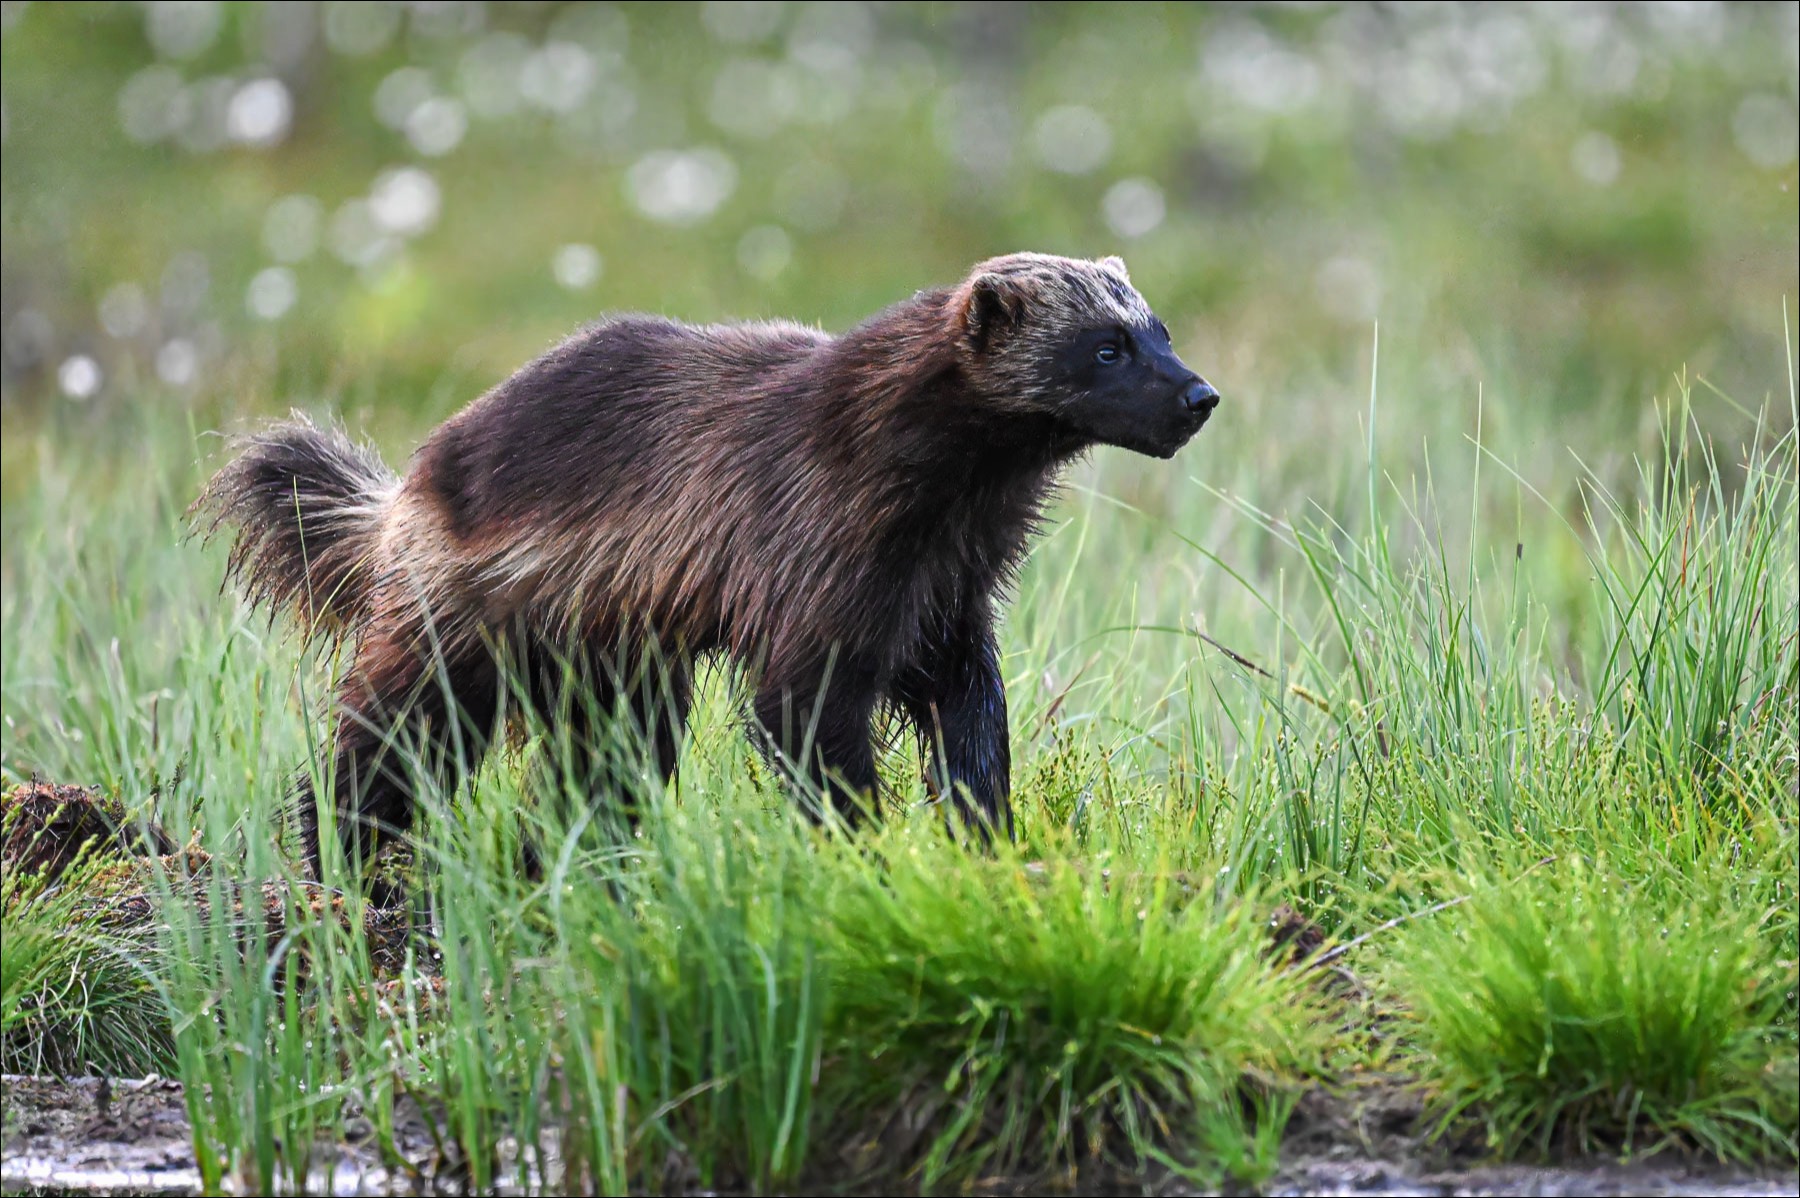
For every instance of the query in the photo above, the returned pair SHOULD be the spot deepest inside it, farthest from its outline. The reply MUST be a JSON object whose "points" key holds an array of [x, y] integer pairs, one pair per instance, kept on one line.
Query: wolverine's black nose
{"points": [[1200, 397]]}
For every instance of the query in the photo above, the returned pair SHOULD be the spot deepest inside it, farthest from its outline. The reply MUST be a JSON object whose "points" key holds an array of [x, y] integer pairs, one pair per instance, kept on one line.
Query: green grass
{"points": [[78, 994], [1026, 1016], [731, 998], [1580, 1010]]}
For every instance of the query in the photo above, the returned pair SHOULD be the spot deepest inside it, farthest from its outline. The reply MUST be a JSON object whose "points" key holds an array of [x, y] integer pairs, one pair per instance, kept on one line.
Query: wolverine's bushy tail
{"points": [[308, 506]]}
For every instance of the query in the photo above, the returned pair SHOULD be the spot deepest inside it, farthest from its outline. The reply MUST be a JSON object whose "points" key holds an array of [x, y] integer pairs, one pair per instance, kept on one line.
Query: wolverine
{"points": [[841, 516]]}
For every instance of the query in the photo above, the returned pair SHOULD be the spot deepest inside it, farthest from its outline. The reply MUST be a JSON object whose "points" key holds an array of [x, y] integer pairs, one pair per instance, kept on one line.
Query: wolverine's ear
{"points": [[991, 306], [1117, 266]]}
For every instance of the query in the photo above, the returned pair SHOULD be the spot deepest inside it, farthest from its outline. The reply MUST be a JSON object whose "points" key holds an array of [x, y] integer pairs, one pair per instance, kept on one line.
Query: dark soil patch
{"points": [[1375, 1137], [47, 828], [1292, 936]]}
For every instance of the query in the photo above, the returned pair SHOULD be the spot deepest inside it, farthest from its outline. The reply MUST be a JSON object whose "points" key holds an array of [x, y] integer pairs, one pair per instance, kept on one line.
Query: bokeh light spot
{"points": [[291, 228], [359, 28], [1767, 130], [178, 362], [405, 201], [1072, 139], [1596, 158], [1133, 207], [260, 113], [79, 377], [124, 310], [576, 266], [681, 187], [437, 126], [765, 251], [272, 293], [182, 28]]}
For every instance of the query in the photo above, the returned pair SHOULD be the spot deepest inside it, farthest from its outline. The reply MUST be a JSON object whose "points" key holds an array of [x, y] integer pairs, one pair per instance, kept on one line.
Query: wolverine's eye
{"points": [[1107, 354]]}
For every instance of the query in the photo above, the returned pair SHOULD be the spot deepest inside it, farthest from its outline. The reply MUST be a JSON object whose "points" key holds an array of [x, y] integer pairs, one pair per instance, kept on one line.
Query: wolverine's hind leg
{"points": [[409, 711]]}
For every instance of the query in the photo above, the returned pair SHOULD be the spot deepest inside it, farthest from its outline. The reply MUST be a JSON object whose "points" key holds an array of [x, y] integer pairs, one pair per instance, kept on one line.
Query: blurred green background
{"points": [[237, 208]]}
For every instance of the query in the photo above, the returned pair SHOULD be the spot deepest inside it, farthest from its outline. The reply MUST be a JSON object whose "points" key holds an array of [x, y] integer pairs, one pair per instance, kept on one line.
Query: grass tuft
{"points": [[1575, 1009], [1022, 1017], [76, 993]]}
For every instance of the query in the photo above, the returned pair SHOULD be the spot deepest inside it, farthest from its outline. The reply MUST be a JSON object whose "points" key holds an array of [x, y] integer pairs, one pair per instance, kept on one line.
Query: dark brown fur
{"points": [[837, 514]]}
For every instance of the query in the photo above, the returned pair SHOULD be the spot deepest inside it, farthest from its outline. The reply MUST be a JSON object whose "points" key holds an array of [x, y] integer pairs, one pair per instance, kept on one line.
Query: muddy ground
{"points": [[131, 1137], [94, 1136]]}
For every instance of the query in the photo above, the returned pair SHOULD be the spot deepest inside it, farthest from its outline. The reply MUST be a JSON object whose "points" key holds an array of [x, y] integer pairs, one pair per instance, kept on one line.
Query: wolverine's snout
{"points": [[1200, 397]]}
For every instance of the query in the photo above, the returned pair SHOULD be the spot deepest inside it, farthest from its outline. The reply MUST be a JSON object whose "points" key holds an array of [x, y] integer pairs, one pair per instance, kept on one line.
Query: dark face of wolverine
{"points": [[1072, 338], [1127, 387]]}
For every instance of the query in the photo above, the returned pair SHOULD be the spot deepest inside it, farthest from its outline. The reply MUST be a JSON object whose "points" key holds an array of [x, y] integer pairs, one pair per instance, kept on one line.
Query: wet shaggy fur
{"points": [[837, 514]]}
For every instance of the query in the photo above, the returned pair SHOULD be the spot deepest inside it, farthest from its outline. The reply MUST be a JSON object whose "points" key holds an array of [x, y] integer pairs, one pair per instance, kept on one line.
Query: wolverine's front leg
{"points": [[954, 696], [815, 724]]}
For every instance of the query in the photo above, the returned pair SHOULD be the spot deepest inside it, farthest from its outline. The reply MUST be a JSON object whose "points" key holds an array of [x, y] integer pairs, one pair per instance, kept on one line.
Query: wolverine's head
{"points": [[1072, 338]]}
